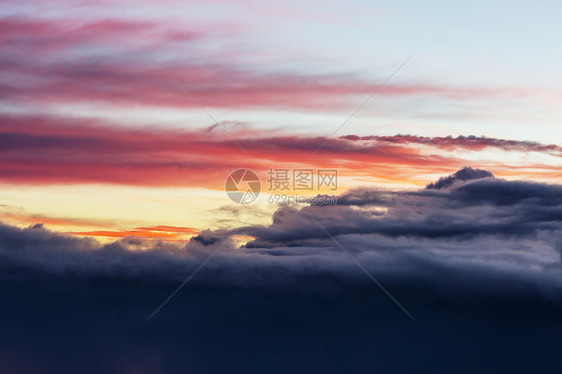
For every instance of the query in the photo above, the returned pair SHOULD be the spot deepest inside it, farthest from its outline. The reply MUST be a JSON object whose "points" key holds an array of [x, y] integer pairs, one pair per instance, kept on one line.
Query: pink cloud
{"points": [[110, 61], [50, 151]]}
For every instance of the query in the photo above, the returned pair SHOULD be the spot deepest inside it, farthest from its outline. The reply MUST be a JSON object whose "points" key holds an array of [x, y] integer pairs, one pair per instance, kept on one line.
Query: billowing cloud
{"points": [[462, 175], [515, 225], [478, 254], [474, 205]]}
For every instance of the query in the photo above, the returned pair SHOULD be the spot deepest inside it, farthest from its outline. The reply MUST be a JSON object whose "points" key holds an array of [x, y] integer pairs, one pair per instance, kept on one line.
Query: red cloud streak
{"points": [[52, 151]]}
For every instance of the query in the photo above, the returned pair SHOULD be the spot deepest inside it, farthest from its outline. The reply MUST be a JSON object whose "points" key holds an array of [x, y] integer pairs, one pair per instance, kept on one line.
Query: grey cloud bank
{"points": [[476, 260]]}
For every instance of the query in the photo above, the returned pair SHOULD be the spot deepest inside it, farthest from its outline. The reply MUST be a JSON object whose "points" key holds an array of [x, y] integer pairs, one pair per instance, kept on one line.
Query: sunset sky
{"points": [[101, 136], [120, 122]]}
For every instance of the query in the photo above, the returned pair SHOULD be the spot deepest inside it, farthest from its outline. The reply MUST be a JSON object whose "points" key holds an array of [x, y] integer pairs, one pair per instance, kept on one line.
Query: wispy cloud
{"points": [[109, 61], [47, 150], [160, 232]]}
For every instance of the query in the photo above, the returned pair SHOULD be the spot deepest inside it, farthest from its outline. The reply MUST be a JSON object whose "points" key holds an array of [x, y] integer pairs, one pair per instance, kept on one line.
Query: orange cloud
{"points": [[161, 232], [52, 221]]}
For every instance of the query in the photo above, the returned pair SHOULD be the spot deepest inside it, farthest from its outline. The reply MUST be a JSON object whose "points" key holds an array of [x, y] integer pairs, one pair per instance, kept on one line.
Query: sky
{"points": [[420, 141], [120, 101]]}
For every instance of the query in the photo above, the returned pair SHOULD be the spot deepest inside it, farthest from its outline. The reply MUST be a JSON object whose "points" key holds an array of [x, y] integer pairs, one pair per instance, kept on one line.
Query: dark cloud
{"points": [[462, 175], [484, 217], [466, 205], [469, 142], [504, 193], [477, 263]]}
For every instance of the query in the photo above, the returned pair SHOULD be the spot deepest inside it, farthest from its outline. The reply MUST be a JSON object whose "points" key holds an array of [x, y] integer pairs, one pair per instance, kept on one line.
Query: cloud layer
{"points": [[476, 253], [482, 224], [51, 150], [88, 91]]}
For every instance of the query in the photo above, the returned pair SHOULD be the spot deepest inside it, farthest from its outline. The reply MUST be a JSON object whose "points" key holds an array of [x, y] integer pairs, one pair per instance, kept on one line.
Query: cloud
{"points": [[514, 225], [470, 142], [476, 259], [47, 36], [477, 263], [90, 151], [160, 232], [462, 175], [466, 205], [91, 61], [19, 216]]}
